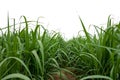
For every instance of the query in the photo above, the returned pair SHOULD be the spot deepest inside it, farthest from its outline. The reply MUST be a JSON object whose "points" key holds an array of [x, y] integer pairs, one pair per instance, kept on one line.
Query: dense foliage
{"points": [[36, 54]]}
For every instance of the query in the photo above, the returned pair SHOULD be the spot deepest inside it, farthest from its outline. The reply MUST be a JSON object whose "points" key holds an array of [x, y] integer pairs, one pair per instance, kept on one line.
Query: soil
{"points": [[68, 76]]}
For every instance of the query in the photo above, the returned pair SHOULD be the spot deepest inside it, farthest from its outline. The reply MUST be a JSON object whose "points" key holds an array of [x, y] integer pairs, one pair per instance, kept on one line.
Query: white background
{"points": [[62, 15]]}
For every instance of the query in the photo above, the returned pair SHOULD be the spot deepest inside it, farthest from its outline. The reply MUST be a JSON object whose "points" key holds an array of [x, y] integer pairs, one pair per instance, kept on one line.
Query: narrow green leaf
{"points": [[86, 33], [16, 75], [96, 77]]}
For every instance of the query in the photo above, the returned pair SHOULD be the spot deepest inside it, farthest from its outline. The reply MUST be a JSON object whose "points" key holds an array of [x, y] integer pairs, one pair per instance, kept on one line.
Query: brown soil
{"points": [[68, 76]]}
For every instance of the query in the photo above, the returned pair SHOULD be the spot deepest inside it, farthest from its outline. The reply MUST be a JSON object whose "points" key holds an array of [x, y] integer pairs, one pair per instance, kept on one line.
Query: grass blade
{"points": [[86, 33], [16, 75], [96, 77]]}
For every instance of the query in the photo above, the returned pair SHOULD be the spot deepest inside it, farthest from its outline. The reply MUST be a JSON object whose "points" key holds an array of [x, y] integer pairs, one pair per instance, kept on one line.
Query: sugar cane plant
{"points": [[36, 54]]}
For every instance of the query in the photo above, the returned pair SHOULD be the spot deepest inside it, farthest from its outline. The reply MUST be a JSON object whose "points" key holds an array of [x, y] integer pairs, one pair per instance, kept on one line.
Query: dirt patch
{"points": [[63, 75]]}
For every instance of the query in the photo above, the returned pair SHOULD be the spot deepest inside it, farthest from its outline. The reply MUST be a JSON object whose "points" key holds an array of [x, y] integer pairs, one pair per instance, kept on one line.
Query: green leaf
{"points": [[16, 75]]}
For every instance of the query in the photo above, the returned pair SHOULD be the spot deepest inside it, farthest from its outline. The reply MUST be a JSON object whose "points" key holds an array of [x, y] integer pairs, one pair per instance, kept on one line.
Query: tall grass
{"points": [[37, 54]]}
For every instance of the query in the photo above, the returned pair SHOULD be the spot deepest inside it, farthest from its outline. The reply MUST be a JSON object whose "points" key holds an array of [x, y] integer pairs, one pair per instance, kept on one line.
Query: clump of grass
{"points": [[36, 54]]}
